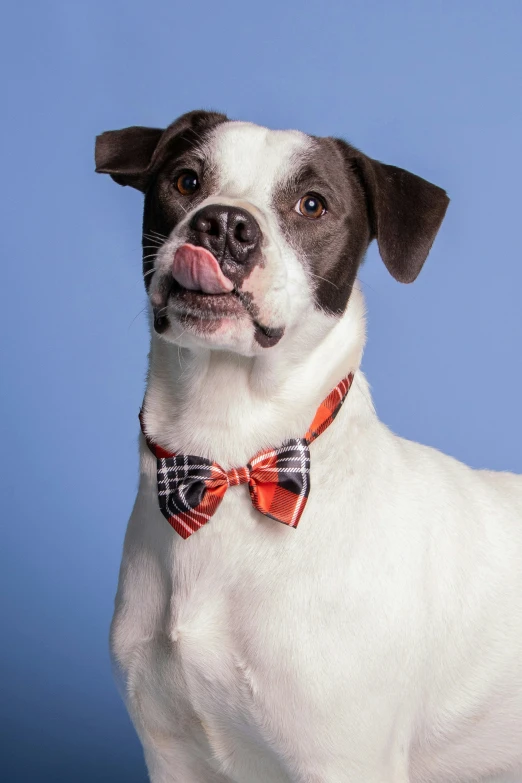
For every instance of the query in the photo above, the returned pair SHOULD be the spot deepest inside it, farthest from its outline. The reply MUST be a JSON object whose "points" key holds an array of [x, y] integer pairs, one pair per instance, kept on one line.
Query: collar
{"points": [[191, 488]]}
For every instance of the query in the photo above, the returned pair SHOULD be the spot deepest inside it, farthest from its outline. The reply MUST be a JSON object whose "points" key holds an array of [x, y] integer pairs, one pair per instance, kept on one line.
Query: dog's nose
{"points": [[226, 230]]}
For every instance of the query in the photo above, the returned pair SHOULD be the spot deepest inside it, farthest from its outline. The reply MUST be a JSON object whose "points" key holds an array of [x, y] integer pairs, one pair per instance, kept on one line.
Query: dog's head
{"points": [[247, 231]]}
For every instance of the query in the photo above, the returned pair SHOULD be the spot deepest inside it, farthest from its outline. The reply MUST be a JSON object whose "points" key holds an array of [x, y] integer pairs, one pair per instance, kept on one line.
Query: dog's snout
{"points": [[225, 229]]}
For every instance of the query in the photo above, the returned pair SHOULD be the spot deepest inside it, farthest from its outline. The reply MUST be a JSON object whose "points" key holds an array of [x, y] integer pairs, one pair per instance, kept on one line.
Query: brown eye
{"points": [[187, 183], [311, 206]]}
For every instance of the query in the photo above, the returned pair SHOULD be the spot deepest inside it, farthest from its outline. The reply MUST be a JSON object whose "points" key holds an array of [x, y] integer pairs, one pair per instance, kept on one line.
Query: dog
{"points": [[304, 597]]}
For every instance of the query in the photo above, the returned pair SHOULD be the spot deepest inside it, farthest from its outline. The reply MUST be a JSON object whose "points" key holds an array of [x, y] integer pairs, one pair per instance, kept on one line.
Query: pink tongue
{"points": [[196, 269]]}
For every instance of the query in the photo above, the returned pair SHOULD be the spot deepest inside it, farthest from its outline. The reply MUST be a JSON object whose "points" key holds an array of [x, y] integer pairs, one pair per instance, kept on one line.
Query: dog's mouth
{"points": [[201, 298], [203, 305], [198, 295], [204, 312]]}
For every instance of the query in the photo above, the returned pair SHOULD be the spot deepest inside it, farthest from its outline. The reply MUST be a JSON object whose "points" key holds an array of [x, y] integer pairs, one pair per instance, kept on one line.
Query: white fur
{"points": [[381, 641]]}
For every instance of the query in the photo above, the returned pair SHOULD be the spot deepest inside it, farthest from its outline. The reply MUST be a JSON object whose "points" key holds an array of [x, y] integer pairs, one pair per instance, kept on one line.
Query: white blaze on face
{"points": [[252, 160], [250, 163]]}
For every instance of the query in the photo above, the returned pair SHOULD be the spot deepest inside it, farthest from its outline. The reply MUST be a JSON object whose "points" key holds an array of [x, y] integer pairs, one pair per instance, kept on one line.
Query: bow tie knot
{"points": [[236, 476], [190, 488]]}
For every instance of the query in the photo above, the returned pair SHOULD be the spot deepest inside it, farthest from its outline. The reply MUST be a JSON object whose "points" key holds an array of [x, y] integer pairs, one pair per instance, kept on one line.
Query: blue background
{"points": [[433, 87]]}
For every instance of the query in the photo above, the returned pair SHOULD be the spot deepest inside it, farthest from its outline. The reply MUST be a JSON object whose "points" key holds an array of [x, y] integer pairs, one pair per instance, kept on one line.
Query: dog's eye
{"points": [[187, 183], [311, 206]]}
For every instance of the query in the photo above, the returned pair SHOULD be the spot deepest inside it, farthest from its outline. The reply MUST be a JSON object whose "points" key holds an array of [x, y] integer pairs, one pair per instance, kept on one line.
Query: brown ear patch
{"points": [[131, 155], [405, 212], [365, 200], [126, 154]]}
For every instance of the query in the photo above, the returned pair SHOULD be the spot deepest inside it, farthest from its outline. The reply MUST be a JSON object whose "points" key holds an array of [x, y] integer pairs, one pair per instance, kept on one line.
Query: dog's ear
{"points": [[131, 155], [405, 212], [126, 154]]}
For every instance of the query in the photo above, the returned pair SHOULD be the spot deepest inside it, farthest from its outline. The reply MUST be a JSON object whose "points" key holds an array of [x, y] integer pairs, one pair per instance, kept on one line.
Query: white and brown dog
{"points": [[381, 640]]}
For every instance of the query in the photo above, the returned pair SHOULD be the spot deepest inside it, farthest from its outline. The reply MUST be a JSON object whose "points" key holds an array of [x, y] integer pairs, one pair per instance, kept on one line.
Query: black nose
{"points": [[226, 231]]}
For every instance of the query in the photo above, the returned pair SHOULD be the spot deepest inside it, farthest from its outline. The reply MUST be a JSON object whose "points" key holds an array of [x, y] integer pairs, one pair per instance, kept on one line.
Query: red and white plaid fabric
{"points": [[190, 488]]}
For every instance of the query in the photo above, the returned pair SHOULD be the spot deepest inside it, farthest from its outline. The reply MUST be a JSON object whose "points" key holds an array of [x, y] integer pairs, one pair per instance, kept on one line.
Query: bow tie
{"points": [[190, 488]]}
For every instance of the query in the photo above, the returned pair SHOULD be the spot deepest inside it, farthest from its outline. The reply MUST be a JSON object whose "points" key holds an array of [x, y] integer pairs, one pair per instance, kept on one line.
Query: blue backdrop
{"points": [[432, 87]]}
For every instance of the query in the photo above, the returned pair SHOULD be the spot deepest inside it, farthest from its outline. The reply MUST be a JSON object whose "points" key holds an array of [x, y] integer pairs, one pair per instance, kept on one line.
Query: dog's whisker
{"points": [[325, 280], [198, 136], [180, 354], [137, 316], [154, 244], [364, 394], [184, 210], [155, 236], [183, 370], [365, 283]]}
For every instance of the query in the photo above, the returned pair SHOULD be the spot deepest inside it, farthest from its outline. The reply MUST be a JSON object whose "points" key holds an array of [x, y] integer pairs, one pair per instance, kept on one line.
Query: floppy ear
{"points": [[126, 154], [405, 213], [132, 155]]}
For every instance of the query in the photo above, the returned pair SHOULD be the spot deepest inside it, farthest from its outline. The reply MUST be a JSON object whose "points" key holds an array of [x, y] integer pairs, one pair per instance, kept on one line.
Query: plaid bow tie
{"points": [[190, 489]]}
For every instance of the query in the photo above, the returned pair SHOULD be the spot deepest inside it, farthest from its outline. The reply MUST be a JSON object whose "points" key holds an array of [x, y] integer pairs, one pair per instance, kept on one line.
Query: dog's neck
{"points": [[227, 407]]}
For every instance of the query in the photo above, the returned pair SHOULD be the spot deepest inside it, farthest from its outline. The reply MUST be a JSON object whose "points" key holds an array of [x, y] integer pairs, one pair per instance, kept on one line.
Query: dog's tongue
{"points": [[196, 268]]}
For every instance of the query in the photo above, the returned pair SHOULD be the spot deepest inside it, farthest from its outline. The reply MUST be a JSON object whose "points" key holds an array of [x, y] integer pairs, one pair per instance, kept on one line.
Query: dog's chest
{"points": [[234, 625], [213, 660]]}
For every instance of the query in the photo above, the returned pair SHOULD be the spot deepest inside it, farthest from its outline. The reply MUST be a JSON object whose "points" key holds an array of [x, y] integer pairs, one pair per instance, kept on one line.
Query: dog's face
{"points": [[248, 232]]}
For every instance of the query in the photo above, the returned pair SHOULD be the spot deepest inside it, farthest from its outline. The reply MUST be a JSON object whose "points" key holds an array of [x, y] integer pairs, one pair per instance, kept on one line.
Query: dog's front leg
{"points": [[180, 762], [356, 774], [378, 763], [174, 743]]}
